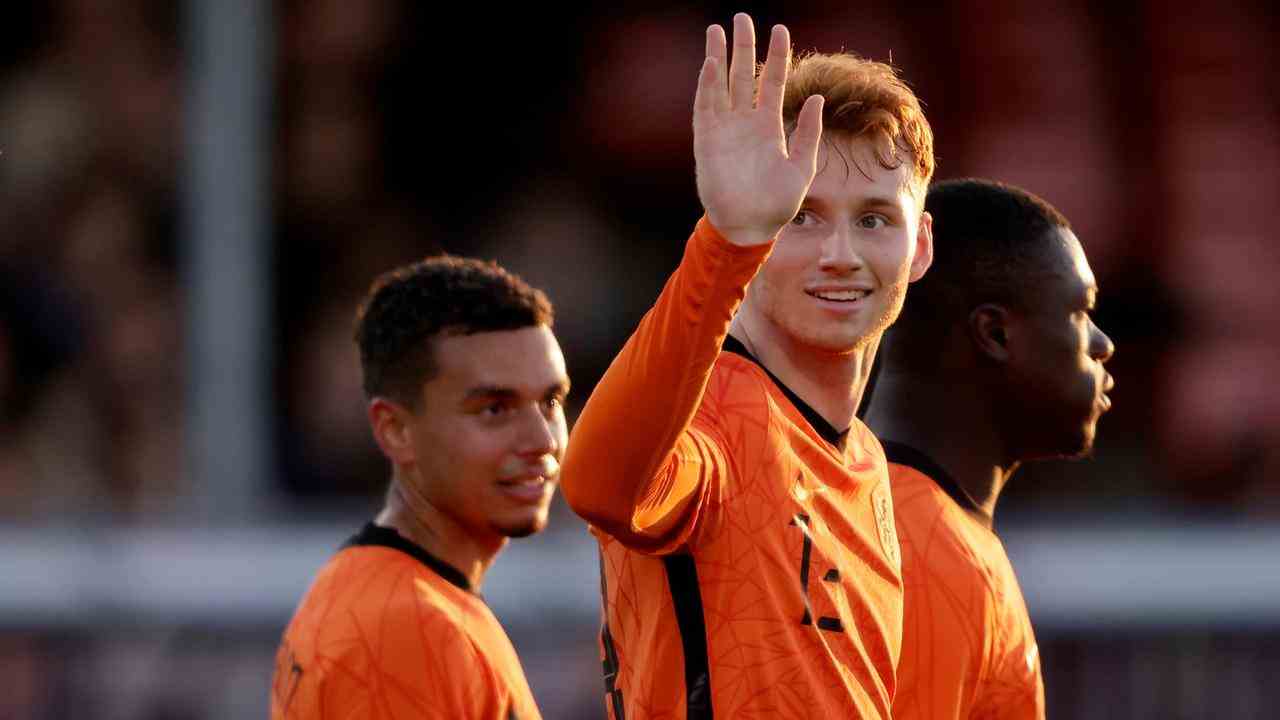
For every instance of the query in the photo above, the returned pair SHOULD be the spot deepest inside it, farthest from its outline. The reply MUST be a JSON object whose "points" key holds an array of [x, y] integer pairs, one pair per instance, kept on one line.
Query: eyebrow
{"points": [[872, 203], [881, 202], [492, 392]]}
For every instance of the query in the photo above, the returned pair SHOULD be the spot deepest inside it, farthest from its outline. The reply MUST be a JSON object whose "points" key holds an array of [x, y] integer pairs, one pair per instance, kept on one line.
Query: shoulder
{"points": [[736, 382], [736, 406], [937, 538], [364, 590], [915, 495], [376, 626]]}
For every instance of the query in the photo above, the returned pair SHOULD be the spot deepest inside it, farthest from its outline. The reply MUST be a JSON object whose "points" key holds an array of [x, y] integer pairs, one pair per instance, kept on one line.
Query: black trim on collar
{"points": [[903, 454], [376, 535], [824, 429]]}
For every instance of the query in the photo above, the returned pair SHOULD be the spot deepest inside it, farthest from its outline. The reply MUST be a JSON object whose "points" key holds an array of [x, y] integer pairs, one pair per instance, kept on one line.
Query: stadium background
{"points": [[193, 196]]}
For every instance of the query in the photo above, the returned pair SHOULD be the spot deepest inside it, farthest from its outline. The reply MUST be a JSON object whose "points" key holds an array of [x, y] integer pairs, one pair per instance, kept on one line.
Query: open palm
{"points": [[750, 183]]}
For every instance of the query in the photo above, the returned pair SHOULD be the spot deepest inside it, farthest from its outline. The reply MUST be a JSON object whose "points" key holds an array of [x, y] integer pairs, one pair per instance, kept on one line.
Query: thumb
{"points": [[804, 140]]}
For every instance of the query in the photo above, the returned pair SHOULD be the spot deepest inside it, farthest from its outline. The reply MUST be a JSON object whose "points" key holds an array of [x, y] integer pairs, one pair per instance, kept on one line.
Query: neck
{"points": [[831, 383], [951, 422], [415, 518]]}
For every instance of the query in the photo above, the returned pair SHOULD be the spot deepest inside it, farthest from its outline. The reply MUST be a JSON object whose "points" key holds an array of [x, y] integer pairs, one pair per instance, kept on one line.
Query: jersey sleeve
{"points": [[451, 682], [635, 467], [938, 673], [415, 663], [1012, 688]]}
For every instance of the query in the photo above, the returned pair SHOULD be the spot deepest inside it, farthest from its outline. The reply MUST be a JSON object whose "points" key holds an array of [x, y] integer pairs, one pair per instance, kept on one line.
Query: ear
{"points": [[390, 424], [989, 331], [923, 257]]}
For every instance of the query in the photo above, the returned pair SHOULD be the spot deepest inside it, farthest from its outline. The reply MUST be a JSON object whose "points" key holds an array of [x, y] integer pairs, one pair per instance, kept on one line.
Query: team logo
{"points": [[883, 508]]}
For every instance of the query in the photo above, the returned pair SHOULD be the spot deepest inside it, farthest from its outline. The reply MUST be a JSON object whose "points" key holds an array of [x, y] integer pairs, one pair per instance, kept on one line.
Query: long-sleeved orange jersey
{"points": [[755, 574], [388, 631], [968, 651]]}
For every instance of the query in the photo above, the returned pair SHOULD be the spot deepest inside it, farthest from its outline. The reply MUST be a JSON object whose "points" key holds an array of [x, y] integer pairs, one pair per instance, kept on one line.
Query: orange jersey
{"points": [[388, 631], [777, 592], [968, 650]]}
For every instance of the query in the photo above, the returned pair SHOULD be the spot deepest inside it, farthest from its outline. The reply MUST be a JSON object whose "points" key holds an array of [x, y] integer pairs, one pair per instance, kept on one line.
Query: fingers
{"points": [[716, 91], [773, 81], [709, 86], [742, 70], [808, 132]]}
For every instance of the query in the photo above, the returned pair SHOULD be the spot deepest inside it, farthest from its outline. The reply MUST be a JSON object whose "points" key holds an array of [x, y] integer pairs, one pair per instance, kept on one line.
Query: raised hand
{"points": [[750, 182]]}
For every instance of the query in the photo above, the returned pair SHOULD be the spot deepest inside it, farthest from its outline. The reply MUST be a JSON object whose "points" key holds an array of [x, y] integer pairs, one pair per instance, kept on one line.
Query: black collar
{"points": [[377, 535], [903, 454], [820, 425]]}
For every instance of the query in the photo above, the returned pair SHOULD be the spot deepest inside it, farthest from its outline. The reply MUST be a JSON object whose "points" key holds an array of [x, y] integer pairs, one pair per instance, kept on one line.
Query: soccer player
{"points": [[465, 383], [995, 361], [750, 566]]}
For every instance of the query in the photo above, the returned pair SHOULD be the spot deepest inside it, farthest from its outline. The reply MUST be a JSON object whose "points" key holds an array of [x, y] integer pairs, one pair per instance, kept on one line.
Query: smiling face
{"points": [[1057, 383], [488, 437], [839, 271]]}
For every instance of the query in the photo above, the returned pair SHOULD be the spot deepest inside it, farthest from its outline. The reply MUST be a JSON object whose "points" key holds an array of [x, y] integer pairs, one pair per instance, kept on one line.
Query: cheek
{"points": [[1072, 369], [764, 291], [890, 259], [789, 260], [474, 449]]}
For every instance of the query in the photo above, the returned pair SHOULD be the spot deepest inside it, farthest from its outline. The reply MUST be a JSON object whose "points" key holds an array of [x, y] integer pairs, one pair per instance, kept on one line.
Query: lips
{"points": [[839, 294], [528, 489], [1108, 384], [529, 483]]}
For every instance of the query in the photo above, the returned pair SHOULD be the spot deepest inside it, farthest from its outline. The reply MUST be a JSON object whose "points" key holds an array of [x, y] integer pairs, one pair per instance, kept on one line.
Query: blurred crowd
{"points": [[559, 144], [557, 141]]}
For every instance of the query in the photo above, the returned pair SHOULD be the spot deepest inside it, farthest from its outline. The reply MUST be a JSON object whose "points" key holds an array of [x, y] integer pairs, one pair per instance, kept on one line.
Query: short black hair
{"points": [[987, 240], [406, 308]]}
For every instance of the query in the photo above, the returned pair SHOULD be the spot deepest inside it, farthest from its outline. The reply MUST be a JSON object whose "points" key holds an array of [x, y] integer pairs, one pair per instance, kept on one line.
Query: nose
{"points": [[1100, 346], [540, 435], [839, 255]]}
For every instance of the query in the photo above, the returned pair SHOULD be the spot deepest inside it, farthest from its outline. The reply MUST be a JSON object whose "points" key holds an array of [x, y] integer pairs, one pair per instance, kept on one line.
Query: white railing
{"points": [[1073, 577]]}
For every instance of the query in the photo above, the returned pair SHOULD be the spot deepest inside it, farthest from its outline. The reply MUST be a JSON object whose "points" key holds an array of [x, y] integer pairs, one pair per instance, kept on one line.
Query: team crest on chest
{"points": [[883, 510]]}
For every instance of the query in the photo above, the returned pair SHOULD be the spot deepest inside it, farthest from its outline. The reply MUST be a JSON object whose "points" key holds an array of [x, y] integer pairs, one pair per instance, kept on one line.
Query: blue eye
{"points": [[872, 222]]}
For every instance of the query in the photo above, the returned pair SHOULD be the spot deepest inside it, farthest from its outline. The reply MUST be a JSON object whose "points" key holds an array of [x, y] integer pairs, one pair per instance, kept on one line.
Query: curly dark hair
{"points": [[406, 308], [989, 241]]}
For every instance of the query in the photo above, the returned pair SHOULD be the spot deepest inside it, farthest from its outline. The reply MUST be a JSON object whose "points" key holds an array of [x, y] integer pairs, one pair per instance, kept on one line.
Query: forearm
{"points": [[623, 448]]}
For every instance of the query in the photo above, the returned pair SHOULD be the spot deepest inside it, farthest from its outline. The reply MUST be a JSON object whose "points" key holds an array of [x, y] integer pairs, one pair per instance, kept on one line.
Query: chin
{"points": [[1082, 447], [837, 340], [523, 531], [522, 528]]}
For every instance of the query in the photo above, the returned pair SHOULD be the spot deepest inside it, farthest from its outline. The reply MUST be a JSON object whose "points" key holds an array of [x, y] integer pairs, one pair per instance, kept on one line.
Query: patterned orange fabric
{"points": [[968, 650], [382, 635], [777, 593]]}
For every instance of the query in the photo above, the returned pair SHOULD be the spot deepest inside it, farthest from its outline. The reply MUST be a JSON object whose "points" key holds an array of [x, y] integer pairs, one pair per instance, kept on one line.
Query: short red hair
{"points": [[865, 98]]}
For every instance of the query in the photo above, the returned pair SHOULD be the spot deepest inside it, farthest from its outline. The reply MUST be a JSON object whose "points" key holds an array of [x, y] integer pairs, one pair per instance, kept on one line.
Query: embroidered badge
{"points": [[883, 507]]}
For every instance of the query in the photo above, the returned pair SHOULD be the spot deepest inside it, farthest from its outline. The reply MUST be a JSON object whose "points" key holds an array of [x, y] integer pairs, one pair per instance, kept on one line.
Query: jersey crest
{"points": [[883, 506]]}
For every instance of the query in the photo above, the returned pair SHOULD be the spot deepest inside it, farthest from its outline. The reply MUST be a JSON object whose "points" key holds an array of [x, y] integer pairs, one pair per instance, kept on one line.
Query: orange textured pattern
{"points": [[777, 592], [968, 650], [380, 636], [784, 639]]}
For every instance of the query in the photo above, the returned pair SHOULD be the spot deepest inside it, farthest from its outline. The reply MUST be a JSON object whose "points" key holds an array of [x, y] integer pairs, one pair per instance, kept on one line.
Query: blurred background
{"points": [[194, 196]]}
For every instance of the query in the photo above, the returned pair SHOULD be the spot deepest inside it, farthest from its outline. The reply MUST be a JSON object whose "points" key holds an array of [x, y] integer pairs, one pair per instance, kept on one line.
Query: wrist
{"points": [[741, 236]]}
